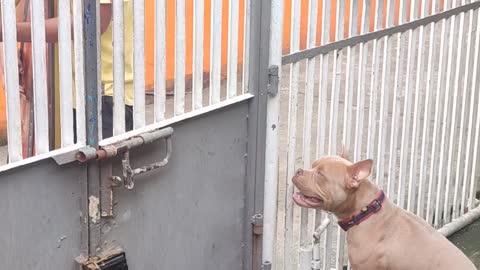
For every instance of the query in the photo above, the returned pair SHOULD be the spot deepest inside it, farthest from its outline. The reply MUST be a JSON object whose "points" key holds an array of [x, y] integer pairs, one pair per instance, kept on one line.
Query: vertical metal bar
{"points": [[332, 146], [118, 68], [362, 62], [456, 211], [292, 134], [372, 110], [308, 116], [65, 70], [436, 128], [138, 63], [426, 122], [471, 202], [40, 77], [406, 113], [233, 7], [179, 96], [14, 132], [305, 259], [384, 102], [441, 165], [336, 80], [99, 76], [246, 46], [160, 58], [322, 108], [272, 122], [412, 179], [453, 124], [473, 102], [197, 80], [322, 84], [215, 51], [79, 70], [397, 84], [349, 76], [91, 92]]}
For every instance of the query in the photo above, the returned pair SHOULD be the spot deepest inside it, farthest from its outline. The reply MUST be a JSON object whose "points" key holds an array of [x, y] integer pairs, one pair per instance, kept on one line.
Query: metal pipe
{"points": [[118, 68], [14, 132], [461, 222], [305, 257], [319, 230], [180, 38], [139, 63], [79, 54], [108, 151]]}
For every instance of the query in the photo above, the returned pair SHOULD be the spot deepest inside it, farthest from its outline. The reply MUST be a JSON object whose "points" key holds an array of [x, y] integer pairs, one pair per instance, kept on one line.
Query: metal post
{"points": [[273, 36], [261, 164], [91, 100]]}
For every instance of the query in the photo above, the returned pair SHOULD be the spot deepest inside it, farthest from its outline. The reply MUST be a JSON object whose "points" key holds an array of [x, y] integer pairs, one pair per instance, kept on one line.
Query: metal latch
{"points": [[123, 147], [272, 87]]}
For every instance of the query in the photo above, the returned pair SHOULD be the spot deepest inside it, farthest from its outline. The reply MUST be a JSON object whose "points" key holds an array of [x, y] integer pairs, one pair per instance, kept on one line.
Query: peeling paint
{"points": [[93, 209]]}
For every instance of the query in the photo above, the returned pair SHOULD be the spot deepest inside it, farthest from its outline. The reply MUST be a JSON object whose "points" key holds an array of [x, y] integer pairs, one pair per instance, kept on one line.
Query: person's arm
{"points": [[24, 29]]}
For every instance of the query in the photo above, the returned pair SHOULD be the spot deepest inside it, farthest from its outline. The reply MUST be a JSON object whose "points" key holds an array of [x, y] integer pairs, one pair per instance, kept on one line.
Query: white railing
{"points": [[41, 111], [403, 95], [227, 83]]}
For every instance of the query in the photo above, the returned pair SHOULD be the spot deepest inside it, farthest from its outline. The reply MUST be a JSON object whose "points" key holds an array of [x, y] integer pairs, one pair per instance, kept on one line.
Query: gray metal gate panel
{"points": [[42, 215], [189, 214]]}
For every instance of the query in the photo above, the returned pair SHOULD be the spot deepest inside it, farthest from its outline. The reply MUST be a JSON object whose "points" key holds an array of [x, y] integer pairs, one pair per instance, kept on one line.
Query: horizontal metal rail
{"points": [[338, 45]]}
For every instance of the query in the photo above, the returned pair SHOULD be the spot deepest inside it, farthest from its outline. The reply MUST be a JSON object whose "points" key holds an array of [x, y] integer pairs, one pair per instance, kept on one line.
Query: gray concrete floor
{"points": [[468, 241]]}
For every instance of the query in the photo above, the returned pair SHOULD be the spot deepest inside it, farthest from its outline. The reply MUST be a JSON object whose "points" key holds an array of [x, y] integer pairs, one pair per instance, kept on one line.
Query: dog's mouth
{"points": [[307, 201]]}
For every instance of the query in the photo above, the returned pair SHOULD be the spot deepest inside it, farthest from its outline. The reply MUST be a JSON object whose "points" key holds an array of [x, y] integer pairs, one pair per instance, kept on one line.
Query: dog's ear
{"points": [[344, 153], [358, 172]]}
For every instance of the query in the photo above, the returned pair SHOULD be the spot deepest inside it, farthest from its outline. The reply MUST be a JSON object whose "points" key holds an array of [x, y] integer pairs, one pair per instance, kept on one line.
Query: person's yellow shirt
{"points": [[106, 50], [106, 54]]}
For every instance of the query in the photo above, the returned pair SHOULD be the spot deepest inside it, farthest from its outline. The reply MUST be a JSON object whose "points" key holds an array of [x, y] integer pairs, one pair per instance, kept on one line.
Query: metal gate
{"points": [[184, 188], [395, 81]]}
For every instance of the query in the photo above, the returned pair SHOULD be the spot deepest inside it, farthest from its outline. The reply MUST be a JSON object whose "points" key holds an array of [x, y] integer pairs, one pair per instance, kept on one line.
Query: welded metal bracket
{"points": [[272, 87], [123, 148]]}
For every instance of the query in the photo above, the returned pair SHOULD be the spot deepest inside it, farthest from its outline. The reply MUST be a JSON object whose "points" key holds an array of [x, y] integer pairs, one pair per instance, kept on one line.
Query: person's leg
{"points": [[128, 117], [107, 117], [74, 126]]}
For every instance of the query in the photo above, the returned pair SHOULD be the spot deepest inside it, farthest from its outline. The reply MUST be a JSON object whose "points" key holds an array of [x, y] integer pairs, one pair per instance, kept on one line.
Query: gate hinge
{"points": [[257, 222], [272, 87]]}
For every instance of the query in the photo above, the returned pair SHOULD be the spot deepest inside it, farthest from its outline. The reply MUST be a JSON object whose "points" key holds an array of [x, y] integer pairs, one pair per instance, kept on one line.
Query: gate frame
{"points": [[271, 173]]}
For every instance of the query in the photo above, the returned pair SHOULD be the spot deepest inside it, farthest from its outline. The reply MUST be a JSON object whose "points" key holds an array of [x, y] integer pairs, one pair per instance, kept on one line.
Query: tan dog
{"points": [[381, 236]]}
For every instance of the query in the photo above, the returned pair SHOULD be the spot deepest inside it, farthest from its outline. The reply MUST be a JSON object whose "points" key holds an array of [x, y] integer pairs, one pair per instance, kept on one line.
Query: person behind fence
{"points": [[106, 28]]}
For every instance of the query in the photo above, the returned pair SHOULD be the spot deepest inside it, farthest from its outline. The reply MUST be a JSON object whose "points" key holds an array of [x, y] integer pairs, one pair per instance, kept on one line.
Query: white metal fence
{"points": [[405, 95], [185, 103]]}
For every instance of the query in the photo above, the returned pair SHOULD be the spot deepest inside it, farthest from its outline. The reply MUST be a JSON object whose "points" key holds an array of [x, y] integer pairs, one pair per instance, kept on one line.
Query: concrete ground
{"points": [[468, 241]]}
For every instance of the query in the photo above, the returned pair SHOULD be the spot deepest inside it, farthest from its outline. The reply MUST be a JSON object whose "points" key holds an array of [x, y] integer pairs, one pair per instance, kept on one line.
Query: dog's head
{"points": [[329, 183]]}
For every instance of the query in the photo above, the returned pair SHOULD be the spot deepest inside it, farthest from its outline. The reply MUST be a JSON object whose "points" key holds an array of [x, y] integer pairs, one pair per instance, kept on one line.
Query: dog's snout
{"points": [[299, 172]]}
